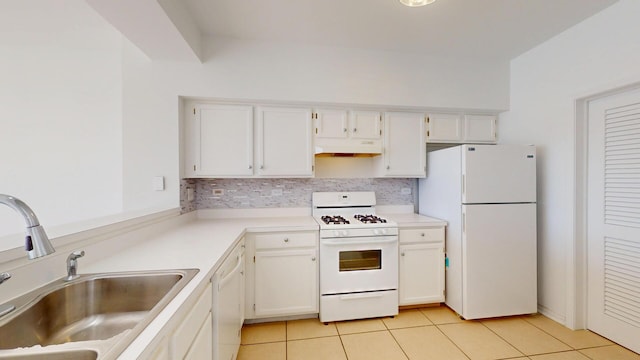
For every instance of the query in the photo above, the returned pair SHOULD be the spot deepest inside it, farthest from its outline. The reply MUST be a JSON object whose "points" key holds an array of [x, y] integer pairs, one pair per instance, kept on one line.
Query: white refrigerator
{"points": [[487, 194]]}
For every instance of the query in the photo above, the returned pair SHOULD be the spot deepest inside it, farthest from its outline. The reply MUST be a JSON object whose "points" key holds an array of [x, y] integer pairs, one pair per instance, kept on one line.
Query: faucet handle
{"points": [[72, 264], [4, 277], [76, 254]]}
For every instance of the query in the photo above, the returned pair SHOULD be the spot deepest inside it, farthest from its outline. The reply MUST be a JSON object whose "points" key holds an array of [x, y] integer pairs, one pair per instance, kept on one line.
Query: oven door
{"points": [[358, 264]]}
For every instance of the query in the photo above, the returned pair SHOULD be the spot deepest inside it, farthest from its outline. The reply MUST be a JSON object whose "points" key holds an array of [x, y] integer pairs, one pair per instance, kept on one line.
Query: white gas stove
{"points": [[358, 257]]}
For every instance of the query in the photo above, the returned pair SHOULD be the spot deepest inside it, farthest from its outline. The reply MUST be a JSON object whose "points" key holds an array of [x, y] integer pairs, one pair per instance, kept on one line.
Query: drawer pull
{"points": [[286, 240]]}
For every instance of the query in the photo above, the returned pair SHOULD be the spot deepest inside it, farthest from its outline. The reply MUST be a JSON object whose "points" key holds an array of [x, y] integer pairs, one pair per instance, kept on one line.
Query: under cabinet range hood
{"points": [[348, 147]]}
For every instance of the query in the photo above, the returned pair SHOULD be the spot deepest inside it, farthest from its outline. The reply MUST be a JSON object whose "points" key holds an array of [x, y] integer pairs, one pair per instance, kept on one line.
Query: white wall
{"points": [[601, 53], [92, 120], [60, 113], [236, 69]]}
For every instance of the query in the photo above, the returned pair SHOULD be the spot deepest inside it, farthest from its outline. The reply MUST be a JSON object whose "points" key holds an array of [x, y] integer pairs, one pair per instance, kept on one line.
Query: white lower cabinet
{"points": [[201, 348], [284, 279], [228, 305], [192, 338], [421, 266]]}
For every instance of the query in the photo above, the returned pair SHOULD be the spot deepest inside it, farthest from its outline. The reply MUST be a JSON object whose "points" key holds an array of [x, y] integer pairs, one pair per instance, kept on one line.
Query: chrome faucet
{"points": [[37, 243], [72, 264]]}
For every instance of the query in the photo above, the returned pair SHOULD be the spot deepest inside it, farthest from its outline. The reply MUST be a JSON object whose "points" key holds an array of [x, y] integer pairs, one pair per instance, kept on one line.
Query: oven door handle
{"points": [[367, 295], [358, 242]]}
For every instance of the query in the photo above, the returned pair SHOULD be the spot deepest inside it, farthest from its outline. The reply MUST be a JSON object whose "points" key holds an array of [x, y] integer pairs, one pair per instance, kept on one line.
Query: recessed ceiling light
{"points": [[414, 3]]}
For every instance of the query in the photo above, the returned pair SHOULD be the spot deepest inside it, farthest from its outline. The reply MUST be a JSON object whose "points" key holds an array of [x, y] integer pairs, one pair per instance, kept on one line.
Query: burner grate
{"points": [[334, 220], [369, 219]]}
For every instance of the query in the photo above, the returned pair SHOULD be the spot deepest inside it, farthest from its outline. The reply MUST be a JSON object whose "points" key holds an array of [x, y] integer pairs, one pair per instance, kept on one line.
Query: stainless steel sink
{"points": [[63, 355], [91, 307]]}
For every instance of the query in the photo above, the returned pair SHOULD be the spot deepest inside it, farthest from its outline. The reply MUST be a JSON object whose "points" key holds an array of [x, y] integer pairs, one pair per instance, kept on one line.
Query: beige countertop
{"points": [[188, 242]]}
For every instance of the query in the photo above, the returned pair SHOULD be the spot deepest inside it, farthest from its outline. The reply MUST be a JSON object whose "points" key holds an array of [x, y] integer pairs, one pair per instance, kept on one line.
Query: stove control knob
{"points": [[376, 232], [383, 231], [344, 233]]}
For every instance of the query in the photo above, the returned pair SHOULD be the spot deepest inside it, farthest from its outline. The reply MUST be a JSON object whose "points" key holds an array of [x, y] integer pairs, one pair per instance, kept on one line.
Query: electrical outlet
{"points": [[276, 192], [190, 195], [405, 191], [218, 192]]}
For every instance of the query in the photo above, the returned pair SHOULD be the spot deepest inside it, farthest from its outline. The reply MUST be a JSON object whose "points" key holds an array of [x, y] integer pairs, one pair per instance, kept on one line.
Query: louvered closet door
{"points": [[614, 218]]}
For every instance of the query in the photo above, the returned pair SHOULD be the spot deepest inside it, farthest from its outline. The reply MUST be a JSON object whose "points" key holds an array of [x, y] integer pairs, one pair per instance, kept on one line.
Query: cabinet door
{"points": [[331, 124], [202, 348], [222, 140], [228, 303], [404, 145], [365, 124], [284, 142], [286, 282], [198, 320], [421, 273], [444, 128], [480, 128]]}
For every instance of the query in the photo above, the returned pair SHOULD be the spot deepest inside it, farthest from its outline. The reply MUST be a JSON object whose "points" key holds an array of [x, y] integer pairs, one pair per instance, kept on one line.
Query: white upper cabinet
{"points": [[331, 124], [404, 152], [480, 128], [444, 128], [365, 124], [220, 141], [284, 142], [458, 128], [342, 131]]}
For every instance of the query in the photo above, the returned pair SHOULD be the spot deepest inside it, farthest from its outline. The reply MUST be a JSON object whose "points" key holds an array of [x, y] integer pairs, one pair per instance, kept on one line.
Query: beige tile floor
{"points": [[431, 333]]}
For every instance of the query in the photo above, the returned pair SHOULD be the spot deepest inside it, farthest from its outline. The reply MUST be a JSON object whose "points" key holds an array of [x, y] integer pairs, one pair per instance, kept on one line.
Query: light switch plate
{"points": [[158, 183]]}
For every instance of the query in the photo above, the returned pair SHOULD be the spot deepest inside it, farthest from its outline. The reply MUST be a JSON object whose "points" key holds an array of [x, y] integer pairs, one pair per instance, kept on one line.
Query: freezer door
{"points": [[498, 174], [499, 262]]}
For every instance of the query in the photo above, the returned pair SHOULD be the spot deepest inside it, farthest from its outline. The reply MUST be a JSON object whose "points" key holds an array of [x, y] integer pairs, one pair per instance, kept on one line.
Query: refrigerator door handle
{"points": [[464, 223], [464, 185]]}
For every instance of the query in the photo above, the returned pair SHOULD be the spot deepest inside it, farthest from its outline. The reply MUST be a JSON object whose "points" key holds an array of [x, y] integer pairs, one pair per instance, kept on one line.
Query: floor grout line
{"points": [[439, 328]]}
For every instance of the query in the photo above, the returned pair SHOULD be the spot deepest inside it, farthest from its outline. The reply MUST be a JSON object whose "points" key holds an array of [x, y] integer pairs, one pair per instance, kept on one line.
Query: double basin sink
{"points": [[85, 311]]}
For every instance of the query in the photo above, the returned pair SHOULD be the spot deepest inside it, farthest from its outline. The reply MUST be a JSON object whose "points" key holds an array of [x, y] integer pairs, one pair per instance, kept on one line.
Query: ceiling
{"points": [[498, 29]]}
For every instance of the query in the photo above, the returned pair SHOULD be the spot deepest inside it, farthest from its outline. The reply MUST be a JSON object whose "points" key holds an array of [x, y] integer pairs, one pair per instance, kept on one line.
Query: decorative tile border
{"points": [[277, 193]]}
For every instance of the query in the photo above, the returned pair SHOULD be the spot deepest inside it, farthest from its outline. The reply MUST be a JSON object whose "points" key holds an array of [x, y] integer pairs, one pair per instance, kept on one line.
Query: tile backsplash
{"points": [[288, 193]]}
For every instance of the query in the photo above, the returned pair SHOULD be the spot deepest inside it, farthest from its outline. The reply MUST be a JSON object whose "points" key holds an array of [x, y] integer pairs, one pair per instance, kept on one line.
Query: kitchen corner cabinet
{"points": [[283, 274], [284, 142], [404, 153], [421, 265], [219, 141], [459, 128]]}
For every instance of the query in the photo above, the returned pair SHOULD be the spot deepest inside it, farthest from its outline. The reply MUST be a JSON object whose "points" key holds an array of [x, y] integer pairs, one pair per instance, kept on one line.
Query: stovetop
{"points": [[353, 221], [348, 210]]}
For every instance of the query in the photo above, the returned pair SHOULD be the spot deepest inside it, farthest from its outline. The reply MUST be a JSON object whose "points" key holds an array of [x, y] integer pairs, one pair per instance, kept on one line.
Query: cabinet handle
{"points": [[250, 167], [388, 167], [261, 167], [402, 254], [355, 130], [422, 234], [313, 258], [344, 130], [286, 240]]}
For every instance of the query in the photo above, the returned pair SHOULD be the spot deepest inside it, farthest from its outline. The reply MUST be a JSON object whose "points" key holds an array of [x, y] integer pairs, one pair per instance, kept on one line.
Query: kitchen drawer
{"points": [[286, 240], [410, 236]]}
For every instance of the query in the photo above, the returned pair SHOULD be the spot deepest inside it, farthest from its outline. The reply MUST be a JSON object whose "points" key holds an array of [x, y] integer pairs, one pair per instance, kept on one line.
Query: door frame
{"points": [[577, 276]]}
